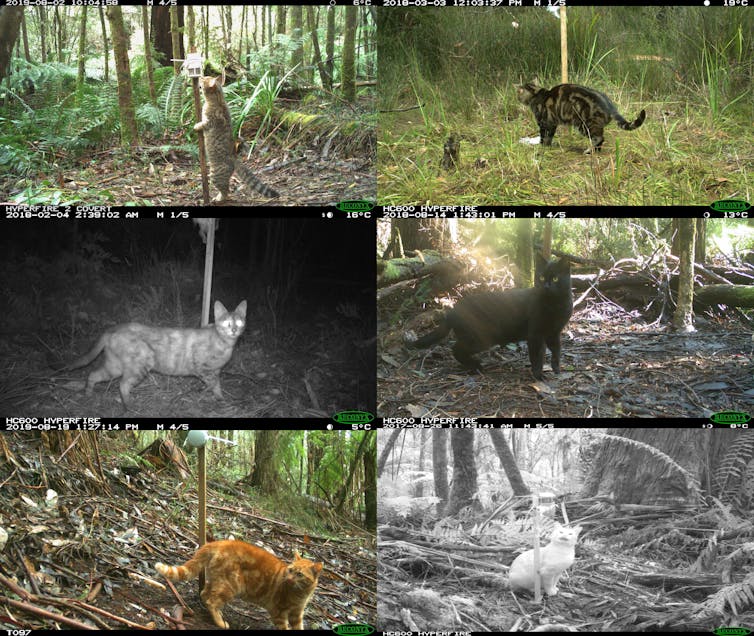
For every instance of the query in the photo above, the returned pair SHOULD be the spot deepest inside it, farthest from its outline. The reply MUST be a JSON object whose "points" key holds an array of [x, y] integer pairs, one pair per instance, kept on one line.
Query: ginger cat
{"points": [[235, 568]]}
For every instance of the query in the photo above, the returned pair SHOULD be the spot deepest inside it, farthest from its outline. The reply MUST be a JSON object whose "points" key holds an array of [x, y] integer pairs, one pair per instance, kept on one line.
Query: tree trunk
{"points": [[632, 474], [175, 40], [370, 483], [700, 241], [191, 27], [330, 48], [464, 465], [524, 253], [297, 30], [10, 23], [42, 20], [106, 44], [440, 466], [386, 451], [25, 37], [161, 35], [244, 9], [312, 26], [81, 75], [730, 295], [348, 69], [264, 475], [148, 54], [508, 462], [682, 316], [128, 130]]}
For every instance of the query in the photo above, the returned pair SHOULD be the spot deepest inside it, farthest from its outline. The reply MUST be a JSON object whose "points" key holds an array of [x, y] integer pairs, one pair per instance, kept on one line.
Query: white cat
{"points": [[554, 559]]}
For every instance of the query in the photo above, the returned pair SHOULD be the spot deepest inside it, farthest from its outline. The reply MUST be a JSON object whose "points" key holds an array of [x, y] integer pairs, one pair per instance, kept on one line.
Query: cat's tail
{"points": [[629, 125], [248, 178], [187, 571], [431, 338], [85, 359]]}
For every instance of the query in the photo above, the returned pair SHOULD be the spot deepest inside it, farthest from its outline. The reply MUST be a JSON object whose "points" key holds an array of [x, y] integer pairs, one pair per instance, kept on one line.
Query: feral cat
{"points": [[218, 136], [554, 559], [235, 568], [536, 315], [132, 350], [584, 108]]}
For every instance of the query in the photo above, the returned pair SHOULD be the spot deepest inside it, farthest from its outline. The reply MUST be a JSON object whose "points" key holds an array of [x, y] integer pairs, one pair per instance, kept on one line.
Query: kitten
{"points": [[584, 108], [218, 138], [537, 315], [235, 568], [554, 559], [132, 350]]}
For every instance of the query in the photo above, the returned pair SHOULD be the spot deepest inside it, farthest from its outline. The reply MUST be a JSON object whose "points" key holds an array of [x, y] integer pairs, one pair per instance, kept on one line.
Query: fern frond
{"points": [[729, 476], [738, 597]]}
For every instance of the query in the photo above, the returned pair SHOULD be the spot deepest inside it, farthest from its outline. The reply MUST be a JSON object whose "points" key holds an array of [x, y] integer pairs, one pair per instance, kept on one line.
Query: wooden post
{"points": [[537, 561], [200, 136], [209, 255], [202, 491], [563, 46]]}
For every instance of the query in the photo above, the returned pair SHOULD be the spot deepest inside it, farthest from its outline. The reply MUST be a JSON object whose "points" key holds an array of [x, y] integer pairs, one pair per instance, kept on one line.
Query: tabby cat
{"points": [[218, 136], [235, 568], [132, 350], [537, 315], [584, 108]]}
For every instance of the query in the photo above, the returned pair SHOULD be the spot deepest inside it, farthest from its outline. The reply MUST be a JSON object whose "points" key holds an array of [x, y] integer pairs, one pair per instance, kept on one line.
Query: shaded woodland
{"points": [[96, 108], [307, 350], [661, 325], [665, 515], [84, 517]]}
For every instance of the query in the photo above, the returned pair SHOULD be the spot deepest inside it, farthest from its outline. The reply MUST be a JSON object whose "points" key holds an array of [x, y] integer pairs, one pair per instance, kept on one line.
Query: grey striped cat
{"points": [[132, 350], [218, 139], [586, 109]]}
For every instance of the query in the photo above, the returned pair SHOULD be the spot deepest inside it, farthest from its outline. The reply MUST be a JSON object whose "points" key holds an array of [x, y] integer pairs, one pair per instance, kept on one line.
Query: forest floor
{"points": [[164, 176], [86, 556], [630, 575], [609, 368]]}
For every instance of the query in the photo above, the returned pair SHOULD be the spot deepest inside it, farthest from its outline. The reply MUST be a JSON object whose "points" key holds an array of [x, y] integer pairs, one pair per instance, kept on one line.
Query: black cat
{"points": [[536, 315]]}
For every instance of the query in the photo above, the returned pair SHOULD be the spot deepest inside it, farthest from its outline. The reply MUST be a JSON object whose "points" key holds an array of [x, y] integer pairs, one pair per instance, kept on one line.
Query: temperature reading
{"points": [[736, 3]]}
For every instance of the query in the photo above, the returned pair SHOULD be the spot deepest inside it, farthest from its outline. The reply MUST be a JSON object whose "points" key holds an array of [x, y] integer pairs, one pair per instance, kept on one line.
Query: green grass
{"points": [[681, 155]]}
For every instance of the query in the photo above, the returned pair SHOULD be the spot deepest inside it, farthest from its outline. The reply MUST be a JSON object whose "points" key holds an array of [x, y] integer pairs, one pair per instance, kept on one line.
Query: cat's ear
{"points": [[541, 260], [220, 310], [535, 80], [577, 529], [296, 554], [316, 568], [241, 309]]}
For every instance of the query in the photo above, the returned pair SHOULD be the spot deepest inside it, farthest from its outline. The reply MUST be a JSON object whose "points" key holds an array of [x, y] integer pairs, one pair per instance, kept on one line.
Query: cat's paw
{"points": [[551, 591]]}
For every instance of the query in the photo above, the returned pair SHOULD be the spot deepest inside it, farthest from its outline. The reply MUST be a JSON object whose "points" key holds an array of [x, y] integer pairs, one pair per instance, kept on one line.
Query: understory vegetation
{"points": [[454, 72]]}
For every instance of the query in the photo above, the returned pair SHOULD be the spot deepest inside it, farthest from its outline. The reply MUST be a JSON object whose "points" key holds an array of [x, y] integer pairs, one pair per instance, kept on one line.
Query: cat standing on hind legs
{"points": [[218, 136]]}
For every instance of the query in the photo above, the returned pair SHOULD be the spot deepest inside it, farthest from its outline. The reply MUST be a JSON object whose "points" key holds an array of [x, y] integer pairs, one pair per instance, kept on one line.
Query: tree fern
{"points": [[732, 476], [738, 597]]}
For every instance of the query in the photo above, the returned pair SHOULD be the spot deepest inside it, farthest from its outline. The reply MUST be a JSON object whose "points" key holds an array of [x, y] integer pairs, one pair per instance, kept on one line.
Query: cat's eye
{"points": [[554, 279]]}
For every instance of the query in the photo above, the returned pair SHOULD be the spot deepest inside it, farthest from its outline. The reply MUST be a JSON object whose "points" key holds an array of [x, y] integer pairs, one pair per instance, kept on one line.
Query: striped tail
{"points": [[248, 178], [625, 125], [86, 358], [188, 570]]}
